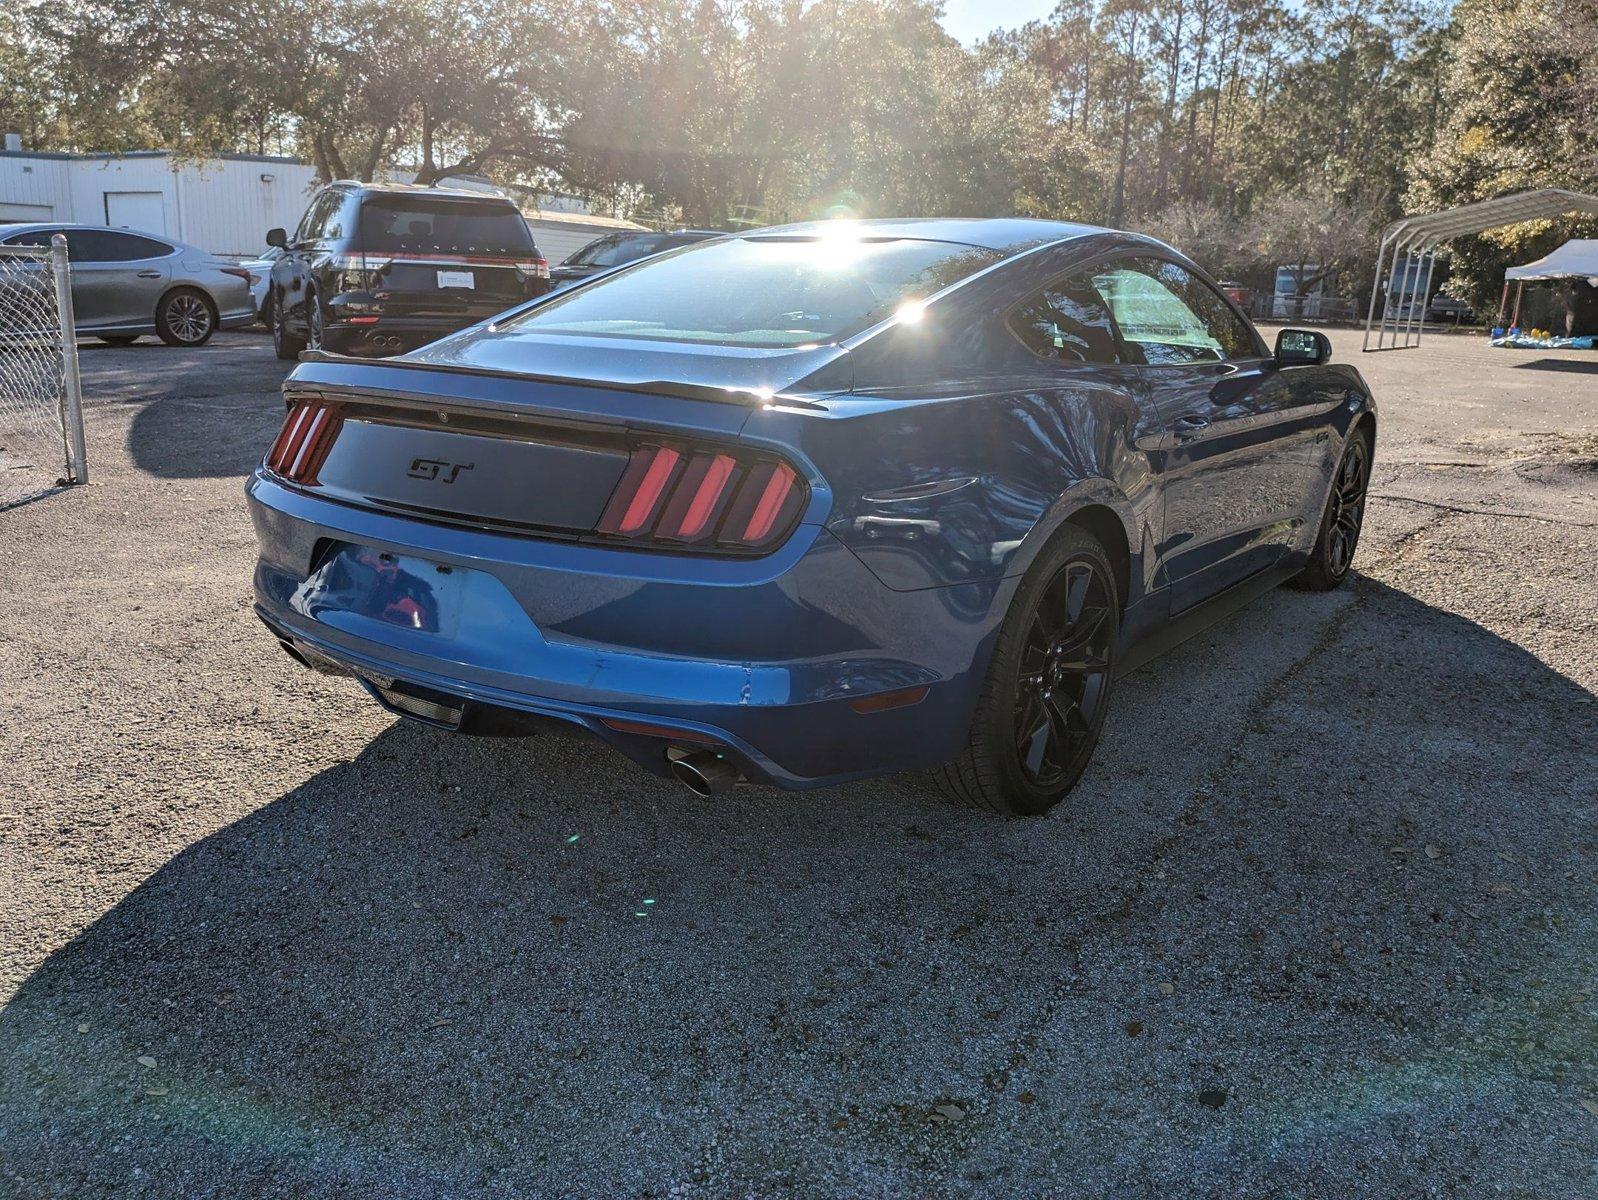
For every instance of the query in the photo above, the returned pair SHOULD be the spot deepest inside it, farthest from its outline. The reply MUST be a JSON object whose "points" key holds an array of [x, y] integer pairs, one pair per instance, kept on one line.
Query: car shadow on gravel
{"points": [[187, 437], [1332, 940]]}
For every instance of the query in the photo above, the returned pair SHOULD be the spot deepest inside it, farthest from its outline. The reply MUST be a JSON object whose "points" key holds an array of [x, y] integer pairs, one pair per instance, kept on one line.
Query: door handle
{"points": [[1185, 429], [149, 274]]}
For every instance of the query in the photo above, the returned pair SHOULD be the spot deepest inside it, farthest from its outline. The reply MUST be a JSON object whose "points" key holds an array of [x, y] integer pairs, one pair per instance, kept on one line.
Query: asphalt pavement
{"points": [[1320, 921]]}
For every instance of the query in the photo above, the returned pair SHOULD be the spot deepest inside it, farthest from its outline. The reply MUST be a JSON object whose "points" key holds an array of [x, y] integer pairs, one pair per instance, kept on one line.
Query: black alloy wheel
{"points": [[313, 322], [1063, 674], [1333, 552], [1048, 686]]}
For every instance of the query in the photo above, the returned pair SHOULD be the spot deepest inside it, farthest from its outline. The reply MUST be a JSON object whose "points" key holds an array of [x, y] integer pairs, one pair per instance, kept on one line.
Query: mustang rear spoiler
{"points": [[650, 387]]}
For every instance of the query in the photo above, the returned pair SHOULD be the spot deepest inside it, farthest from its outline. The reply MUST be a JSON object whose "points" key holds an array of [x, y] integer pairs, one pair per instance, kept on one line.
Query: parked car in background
{"points": [[127, 284], [811, 503], [617, 249], [260, 270], [1444, 307], [1239, 295], [378, 269]]}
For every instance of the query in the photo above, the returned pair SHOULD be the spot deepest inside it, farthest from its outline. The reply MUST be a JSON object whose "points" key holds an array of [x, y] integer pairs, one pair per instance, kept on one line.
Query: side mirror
{"points": [[1302, 347], [278, 238]]}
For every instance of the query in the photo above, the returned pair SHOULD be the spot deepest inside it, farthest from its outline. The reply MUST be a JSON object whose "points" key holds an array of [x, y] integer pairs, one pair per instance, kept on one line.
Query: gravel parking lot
{"points": [[1320, 921]]}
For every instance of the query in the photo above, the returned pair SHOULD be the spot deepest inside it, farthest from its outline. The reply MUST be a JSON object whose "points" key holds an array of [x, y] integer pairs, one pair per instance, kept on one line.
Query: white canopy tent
{"points": [[1423, 233], [1576, 259]]}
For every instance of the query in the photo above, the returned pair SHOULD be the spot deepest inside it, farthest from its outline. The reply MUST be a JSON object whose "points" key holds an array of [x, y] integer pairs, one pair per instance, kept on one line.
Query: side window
{"points": [[323, 205], [341, 216], [86, 245], [1167, 315], [585, 256], [632, 248], [302, 230], [113, 246], [1067, 322], [34, 237]]}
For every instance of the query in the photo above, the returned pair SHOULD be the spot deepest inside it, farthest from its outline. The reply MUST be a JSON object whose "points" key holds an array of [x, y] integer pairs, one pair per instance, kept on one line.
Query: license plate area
{"points": [[393, 589], [457, 279]]}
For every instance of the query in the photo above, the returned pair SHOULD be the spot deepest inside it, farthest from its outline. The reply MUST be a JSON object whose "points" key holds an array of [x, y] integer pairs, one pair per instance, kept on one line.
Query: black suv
{"points": [[380, 269], [615, 249]]}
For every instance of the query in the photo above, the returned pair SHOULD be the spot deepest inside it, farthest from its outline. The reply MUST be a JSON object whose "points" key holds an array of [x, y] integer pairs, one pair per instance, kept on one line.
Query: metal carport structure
{"points": [[1425, 232]]}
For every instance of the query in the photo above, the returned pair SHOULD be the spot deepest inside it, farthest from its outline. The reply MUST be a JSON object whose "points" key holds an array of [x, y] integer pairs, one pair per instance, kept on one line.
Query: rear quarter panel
{"points": [[968, 484], [957, 453]]}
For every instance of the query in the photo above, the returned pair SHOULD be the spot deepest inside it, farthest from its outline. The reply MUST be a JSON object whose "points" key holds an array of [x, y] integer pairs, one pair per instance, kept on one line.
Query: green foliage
{"points": [[1244, 129], [1520, 93]]}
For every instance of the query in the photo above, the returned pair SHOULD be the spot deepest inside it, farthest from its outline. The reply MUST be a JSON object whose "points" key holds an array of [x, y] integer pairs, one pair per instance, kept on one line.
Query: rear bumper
{"points": [[389, 335], [763, 657]]}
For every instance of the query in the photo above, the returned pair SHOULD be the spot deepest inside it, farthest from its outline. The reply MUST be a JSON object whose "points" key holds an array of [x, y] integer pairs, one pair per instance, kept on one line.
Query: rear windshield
{"points": [[761, 291], [422, 225]]}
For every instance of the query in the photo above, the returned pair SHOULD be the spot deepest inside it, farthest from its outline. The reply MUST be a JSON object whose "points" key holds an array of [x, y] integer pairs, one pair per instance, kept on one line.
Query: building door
{"points": [[144, 211], [25, 213]]}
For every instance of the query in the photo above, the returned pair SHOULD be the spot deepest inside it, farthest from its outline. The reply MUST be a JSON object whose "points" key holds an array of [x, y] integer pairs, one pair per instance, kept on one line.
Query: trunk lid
{"points": [[455, 432], [451, 286]]}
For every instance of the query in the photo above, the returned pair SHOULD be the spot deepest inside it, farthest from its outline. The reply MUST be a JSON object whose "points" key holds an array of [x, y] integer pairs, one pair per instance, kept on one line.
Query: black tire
{"points": [[118, 339], [1051, 669], [284, 343], [1338, 537], [315, 326], [185, 317]]}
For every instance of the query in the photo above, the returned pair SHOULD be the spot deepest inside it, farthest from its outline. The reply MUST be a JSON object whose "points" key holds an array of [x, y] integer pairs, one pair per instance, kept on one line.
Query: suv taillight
{"points": [[358, 272], [705, 498], [309, 432]]}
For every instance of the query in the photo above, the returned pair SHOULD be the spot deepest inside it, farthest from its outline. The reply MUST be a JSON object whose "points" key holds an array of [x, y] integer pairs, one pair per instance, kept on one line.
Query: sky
{"points": [[968, 20]]}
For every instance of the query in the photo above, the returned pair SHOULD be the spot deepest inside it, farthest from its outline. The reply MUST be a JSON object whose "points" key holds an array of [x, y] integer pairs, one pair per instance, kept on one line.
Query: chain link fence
{"points": [[41, 396]]}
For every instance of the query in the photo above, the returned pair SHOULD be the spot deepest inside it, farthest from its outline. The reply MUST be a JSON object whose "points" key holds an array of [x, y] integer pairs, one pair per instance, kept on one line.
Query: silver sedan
{"points": [[126, 284]]}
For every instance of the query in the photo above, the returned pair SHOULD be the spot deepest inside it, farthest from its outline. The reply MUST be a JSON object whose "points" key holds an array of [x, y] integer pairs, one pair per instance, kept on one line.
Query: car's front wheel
{"points": [[1342, 521], [1048, 686], [185, 318]]}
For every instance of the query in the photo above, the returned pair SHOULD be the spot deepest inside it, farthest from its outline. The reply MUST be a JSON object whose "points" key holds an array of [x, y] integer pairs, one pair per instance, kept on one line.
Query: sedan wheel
{"points": [[1347, 514], [1064, 674], [313, 324], [1048, 686], [1333, 553], [185, 319]]}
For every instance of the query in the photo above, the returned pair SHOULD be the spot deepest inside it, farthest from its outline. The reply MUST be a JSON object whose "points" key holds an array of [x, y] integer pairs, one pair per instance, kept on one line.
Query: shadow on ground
{"points": [[181, 438], [1567, 365], [1337, 940]]}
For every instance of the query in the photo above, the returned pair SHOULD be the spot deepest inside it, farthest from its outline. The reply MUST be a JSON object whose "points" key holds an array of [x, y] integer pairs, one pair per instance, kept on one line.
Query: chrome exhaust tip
{"points": [[704, 773]]}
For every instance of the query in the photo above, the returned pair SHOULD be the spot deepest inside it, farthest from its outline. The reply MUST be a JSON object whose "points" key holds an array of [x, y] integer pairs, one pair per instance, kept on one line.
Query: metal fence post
{"points": [[71, 381], [1425, 290]]}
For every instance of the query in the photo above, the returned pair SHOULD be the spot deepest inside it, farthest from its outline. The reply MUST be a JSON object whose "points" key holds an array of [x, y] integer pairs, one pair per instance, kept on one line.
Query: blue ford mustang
{"points": [[814, 502]]}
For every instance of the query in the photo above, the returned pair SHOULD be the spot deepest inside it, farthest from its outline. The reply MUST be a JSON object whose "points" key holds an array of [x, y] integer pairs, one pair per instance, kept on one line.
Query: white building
{"points": [[561, 234], [224, 204]]}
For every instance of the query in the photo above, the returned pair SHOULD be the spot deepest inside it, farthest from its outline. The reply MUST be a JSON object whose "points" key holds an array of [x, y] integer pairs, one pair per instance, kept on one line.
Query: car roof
{"points": [[19, 226], [9, 229], [1005, 234], [417, 189]]}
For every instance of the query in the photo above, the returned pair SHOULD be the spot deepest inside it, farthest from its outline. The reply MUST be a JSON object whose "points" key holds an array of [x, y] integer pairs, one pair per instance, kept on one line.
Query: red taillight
{"points": [[711, 498], [240, 272], [302, 447]]}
